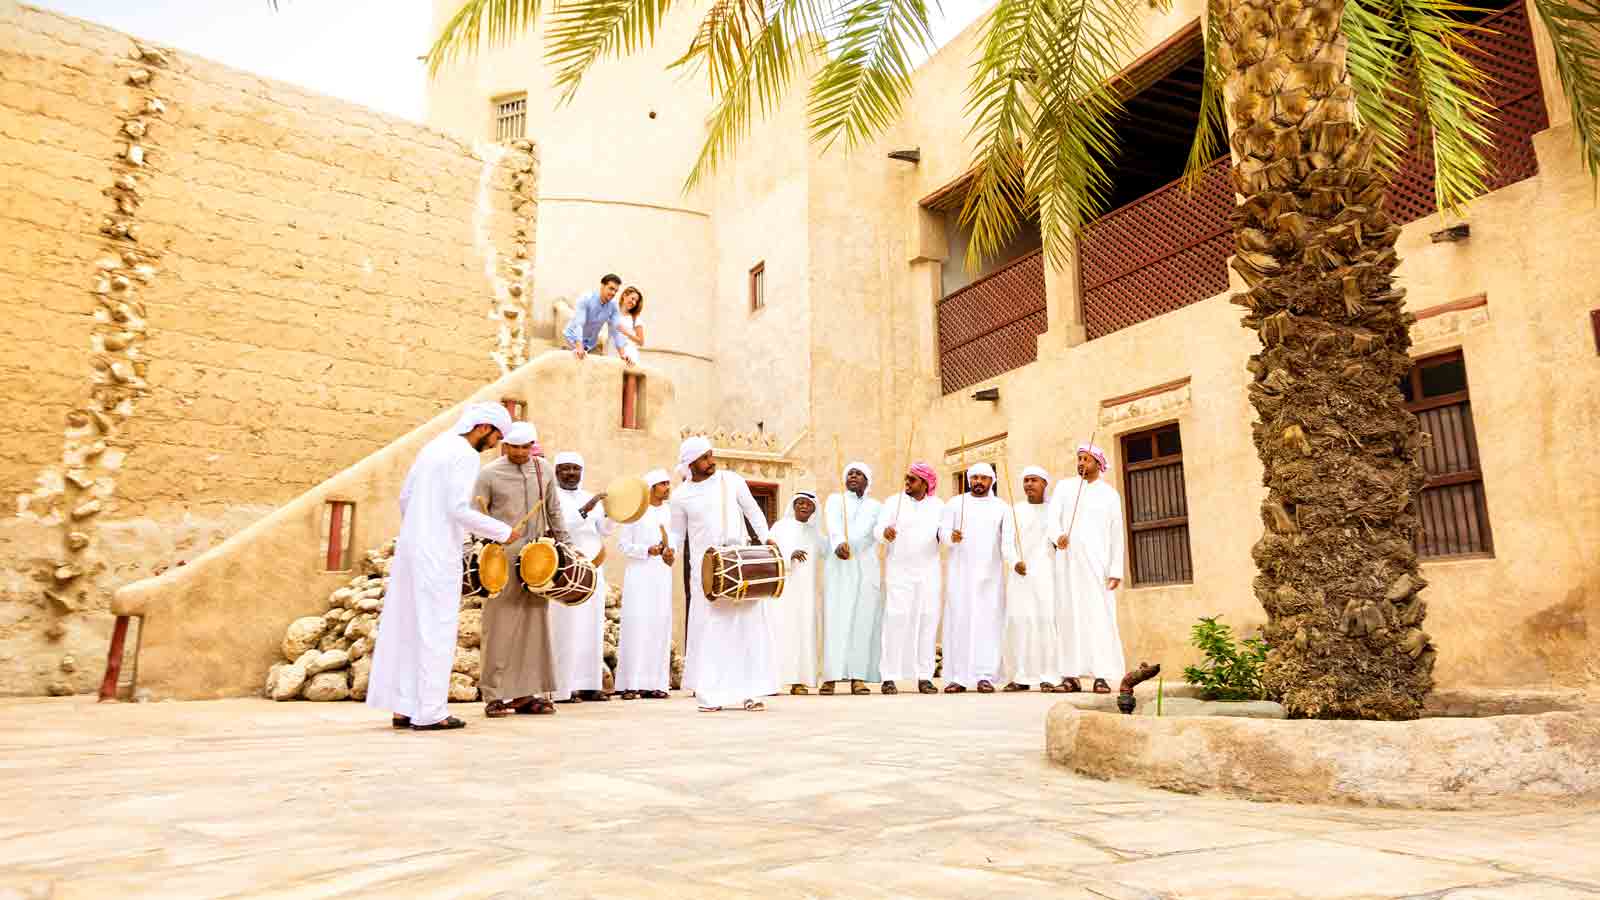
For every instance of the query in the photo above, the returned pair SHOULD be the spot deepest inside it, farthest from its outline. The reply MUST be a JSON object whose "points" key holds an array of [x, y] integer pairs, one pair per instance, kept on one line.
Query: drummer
{"points": [[730, 659], [517, 653], [578, 632]]}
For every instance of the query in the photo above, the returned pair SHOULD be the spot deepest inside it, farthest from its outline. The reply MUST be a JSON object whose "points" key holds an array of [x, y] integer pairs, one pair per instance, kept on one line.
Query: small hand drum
{"points": [[484, 569], [575, 578], [738, 574], [626, 499], [537, 563]]}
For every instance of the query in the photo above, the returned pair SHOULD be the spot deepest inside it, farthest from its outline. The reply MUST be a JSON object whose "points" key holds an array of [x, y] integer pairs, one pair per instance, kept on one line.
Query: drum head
{"points": [[537, 564], [494, 570], [626, 499]]}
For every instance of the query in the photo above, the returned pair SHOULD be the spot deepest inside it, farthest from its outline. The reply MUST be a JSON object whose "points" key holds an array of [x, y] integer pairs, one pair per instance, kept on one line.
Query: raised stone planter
{"points": [[1427, 764]]}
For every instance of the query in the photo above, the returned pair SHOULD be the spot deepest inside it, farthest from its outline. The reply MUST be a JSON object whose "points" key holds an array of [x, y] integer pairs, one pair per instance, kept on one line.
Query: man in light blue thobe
{"points": [[595, 310], [852, 590]]}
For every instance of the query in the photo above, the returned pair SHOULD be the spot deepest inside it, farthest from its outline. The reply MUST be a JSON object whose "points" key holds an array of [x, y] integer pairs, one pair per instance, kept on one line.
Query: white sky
{"points": [[360, 50]]}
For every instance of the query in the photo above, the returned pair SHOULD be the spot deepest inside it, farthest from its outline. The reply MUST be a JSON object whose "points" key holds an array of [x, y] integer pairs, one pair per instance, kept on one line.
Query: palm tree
{"points": [[1323, 96]]}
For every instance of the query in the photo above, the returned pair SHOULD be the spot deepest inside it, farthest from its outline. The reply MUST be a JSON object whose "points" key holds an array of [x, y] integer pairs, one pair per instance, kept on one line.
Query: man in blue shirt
{"points": [[594, 310]]}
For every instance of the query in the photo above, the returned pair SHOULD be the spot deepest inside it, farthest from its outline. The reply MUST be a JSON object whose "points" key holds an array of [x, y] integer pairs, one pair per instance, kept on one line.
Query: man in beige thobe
{"points": [[517, 655]]}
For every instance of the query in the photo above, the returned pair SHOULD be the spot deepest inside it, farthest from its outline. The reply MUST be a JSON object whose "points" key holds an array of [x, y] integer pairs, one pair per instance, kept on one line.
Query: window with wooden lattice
{"points": [[758, 286], [1157, 507], [1454, 511], [511, 117]]}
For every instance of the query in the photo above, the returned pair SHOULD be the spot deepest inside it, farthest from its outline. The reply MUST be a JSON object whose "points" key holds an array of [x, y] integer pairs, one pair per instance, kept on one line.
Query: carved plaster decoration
{"points": [[760, 455], [1444, 324], [1162, 400], [990, 450]]}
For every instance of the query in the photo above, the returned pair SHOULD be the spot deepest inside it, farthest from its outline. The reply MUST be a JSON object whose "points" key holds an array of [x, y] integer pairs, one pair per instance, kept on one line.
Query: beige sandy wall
{"points": [[316, 292]]}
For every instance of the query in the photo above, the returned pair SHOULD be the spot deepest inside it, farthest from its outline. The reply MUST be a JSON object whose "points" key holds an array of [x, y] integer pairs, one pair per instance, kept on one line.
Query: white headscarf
{"points": [[690, 450], [521, 434], [813, 523], [492, 414], [655, 477], [569, 458], [861, 467], [983, 469], [1038, 473]]}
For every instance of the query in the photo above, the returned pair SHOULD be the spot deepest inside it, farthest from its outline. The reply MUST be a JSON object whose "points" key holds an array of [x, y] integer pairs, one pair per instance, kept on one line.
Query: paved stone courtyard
{"points": [[907, 796]]}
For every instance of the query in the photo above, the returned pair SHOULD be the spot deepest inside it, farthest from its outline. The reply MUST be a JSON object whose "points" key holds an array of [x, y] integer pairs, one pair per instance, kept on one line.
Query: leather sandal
{"points": [[888, 688], [657, 695], [449, 723], [1046, 687], [536, 706], [954, 689], [826, 689], [1100, 686], [497, 709], [984, 687], [1014, 687], [798, 690], [926, 687], [754, 706], [400, 722], [857, 686], [630, 695], [1070, 686]]}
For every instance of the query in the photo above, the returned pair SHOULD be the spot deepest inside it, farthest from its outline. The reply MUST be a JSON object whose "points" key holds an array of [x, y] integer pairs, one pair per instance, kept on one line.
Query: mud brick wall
{"points": [[218, 290]]}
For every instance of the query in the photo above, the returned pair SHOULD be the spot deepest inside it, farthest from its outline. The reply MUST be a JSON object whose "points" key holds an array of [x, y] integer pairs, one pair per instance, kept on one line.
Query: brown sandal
{"points": [[400, 722], [536, 706], [984, 687], [857, 686], [926, 687], [1070, 686], [888, 688], [798, 690], [954, 689], [630, 695], [827, 688], [1013, 687], [497, 709], [1046, 687], [448, 723], [656, 695], [1100, 686]]}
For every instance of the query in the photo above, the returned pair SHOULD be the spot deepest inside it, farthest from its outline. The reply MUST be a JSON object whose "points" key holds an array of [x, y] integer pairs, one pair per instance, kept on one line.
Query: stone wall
{"points": [[219, 290]]}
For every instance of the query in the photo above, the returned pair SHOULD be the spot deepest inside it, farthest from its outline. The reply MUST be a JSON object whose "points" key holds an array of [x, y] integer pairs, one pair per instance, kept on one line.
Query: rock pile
{"points": [[329, 657]]}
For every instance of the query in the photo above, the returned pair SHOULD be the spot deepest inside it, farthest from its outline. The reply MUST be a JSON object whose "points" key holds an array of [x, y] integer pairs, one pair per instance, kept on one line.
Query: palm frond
{"points": [[1574, 27], [1372, 56], [859, 91], [498, 21], [582, 32], [1209, 133], [750, 69], [1448, 91], [1041, 96]]}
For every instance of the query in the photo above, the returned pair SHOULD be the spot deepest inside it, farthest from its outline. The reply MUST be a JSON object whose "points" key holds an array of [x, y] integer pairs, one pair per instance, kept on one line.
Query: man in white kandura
{"points": [[977, 526], [729, 660], [852, 587], [579, 632], [417, 631], [912, 581], [644, 649], [1086, 521], [1032, 652], [792, 618]]}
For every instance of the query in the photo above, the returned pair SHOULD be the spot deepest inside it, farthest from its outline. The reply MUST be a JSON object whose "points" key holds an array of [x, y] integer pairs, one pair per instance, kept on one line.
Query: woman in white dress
{"points": [[631, 305]]}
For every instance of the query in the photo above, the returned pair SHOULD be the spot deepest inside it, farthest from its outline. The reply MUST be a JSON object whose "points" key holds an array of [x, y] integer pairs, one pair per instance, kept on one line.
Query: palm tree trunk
{"points": [[1337, 568]]}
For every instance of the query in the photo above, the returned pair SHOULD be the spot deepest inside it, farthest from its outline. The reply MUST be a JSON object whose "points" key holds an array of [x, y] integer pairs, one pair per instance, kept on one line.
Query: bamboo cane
{"points": [[844, 507], [899, 500]]}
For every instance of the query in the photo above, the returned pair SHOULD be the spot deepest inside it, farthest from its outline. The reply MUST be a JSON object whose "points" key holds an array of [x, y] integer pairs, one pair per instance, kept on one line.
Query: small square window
{"points": [[758, 287], [511, 118]]}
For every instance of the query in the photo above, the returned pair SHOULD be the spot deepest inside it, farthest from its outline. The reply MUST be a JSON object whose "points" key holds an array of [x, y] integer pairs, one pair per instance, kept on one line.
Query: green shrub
{"points": [[1231, 671]]}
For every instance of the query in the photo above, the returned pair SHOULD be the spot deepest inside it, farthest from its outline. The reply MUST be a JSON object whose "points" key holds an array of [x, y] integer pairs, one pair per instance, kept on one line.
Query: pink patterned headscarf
{"points": [[1098, 454], [926, 473]]}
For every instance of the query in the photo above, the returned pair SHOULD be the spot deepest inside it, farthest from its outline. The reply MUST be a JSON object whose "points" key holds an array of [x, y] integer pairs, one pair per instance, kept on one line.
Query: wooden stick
{"points": [[1015, 525], [1081, 482], [531, 510], [844, 506], [898, 501]]}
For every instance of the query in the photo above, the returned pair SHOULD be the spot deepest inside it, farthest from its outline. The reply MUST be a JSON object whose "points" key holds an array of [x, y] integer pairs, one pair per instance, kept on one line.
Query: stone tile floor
{"points": [[907, 796]]}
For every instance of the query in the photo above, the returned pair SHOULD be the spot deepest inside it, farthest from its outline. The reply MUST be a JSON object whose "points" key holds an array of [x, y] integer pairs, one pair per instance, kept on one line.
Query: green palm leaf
{"points": [[859, 91], [1208, 135], [582, 32], [1574, 27], [498, 21]]}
